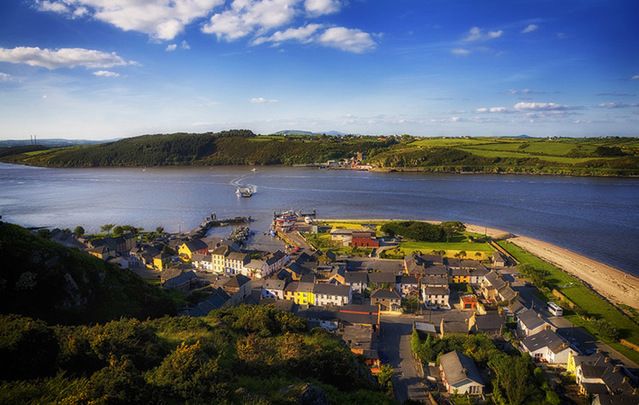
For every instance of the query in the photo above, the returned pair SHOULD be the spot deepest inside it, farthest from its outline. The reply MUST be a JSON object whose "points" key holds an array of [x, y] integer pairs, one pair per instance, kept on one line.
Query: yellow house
{"points": [[300, 292], [161, 261], [458, 276], [189, 248]]}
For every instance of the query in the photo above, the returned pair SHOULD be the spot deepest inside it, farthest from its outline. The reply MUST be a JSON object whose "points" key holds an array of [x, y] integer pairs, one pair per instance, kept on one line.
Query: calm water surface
{"points": [[598, 217]]}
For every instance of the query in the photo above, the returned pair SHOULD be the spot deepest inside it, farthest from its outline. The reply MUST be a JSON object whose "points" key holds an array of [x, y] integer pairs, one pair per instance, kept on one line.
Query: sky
{"points": [[105, 69]]}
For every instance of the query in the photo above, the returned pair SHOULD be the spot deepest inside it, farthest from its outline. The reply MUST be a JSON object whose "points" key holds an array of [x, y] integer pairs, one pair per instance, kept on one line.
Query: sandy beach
{"points": [[617, 286]]}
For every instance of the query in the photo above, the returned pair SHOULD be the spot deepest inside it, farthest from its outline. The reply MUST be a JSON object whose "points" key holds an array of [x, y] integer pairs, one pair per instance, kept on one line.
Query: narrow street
{"points": [[396, 351]]}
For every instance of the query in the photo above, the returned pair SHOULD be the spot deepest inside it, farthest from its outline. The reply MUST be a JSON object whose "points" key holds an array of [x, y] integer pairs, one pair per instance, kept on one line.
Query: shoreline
{"points": [[613, 284], [380, 170]]}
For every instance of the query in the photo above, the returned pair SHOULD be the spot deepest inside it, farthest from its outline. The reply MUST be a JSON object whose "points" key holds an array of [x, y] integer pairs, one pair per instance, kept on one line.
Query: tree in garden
{"points": [[107, 228], [78, 231]]}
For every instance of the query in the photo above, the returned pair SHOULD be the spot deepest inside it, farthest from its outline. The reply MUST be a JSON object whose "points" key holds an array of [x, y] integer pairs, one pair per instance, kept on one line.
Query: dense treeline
{"points": [[514, 378], [43, 279], [247, 354]]}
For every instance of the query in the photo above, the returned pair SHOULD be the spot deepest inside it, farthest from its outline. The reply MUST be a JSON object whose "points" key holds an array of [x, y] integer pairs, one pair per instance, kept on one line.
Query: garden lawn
{"points": [[451, 249], [585, 298]]}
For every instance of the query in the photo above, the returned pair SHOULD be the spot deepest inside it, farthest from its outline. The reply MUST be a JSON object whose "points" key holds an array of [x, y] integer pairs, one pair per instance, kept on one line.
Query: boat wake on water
{"points": [[242, 189]]}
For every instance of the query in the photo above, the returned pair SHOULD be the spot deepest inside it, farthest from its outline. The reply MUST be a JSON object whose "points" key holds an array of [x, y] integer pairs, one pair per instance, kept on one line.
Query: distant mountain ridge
{"points": [[51, 143], [301, 132]]}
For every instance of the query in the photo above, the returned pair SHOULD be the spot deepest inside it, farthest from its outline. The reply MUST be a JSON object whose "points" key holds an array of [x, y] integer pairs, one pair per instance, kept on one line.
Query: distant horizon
{"points": [[94, 69], [303, 132]]}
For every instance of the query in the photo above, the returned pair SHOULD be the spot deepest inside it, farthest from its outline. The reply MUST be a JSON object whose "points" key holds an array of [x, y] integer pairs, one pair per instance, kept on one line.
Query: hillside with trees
{"points": [[608, 156], [247, 354], [42, 279]]}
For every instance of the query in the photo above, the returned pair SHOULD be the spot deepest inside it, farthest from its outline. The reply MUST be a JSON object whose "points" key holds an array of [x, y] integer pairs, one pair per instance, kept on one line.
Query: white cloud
{"points": [[460, 51], [492, 110], [347, 39], [171, 47], [106, 73], [185, 45], [62, 58], [302, 34], [476, 34], [613, 105], [635, 77], [322, 7], [248, 16], [262, 100], [5, 77], [530, 28], [56, 7], [534, 106], [160, 19]]}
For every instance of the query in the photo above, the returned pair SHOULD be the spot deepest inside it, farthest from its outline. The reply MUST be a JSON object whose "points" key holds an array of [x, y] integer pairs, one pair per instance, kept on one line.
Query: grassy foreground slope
{"points": [[566, 156], [242, 355], [42, 279]]}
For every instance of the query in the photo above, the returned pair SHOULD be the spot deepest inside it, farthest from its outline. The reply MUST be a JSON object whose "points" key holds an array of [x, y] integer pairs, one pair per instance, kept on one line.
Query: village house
{"points": [[301, 292], [459, 275], [254, 269], [435, 281], [216, 300], [547, 346], [342, 236], [336, 274], [460, 375], [202, 262], [387, 299], [235, 263], [191, 247], [365, 239], [102, 252], [237, 287], [408, 286], [363, 342], [161, 261], [495, 289], [363, 315], [273, 288], [218, 257], [498, 259], [274, 262], [120, 245], [380, 279], [478, 275], [182, 282], [358, 280], [468, 302], [606, 382], [330, 294], [436, 297], [530, 322]]}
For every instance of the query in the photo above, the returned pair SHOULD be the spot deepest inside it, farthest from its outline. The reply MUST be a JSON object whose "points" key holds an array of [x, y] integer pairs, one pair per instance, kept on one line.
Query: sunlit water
{"points": [[598, 217]]}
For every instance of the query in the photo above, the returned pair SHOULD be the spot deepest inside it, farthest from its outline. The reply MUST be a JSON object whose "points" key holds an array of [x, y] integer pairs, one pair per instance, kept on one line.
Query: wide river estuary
{"points": [[598, 217]]}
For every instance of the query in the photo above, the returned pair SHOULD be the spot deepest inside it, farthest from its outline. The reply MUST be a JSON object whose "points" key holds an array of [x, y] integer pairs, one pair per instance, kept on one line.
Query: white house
{"points": [[436, 296], [547, 346], [273, 289], [460, 375], [235, 263], [202, 262], [332, 294], [530, 322], [358, 280]]}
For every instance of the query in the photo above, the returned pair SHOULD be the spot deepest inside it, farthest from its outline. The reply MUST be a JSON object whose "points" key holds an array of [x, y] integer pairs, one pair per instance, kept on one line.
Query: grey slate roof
{"points": [[459, 369], [214, 301], [356, 277], [180, 280], [531, 319], [385, 294], [331, 289], [437, 291], [380, 277], [274, 284], [545, 338]]}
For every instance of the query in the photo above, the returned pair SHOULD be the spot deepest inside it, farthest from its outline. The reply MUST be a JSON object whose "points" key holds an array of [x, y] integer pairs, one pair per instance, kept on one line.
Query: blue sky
{"points": [[101, 69]]}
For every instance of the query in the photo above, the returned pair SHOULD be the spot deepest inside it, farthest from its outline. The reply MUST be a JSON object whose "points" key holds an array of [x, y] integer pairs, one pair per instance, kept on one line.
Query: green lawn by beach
{"points": [[585, 298]]}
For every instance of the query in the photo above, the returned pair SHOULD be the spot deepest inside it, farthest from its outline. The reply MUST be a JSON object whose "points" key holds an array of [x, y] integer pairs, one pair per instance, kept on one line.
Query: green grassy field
{"points": [[585, 298], [451, 249]]}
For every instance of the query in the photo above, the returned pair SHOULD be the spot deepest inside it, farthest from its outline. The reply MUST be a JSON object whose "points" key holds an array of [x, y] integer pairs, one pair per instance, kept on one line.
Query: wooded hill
{"points": [[42, 279], [564, 156]]}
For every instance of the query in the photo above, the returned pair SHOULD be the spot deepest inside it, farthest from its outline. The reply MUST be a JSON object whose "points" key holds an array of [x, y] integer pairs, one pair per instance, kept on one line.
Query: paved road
{"points": [[395, 343]]}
